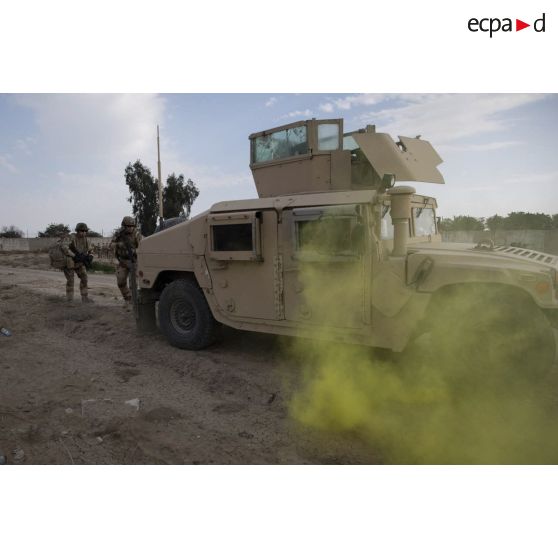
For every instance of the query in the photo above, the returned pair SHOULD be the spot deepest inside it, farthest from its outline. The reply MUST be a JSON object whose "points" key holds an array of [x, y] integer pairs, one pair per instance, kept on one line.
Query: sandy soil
{"points": [[78, 385]]}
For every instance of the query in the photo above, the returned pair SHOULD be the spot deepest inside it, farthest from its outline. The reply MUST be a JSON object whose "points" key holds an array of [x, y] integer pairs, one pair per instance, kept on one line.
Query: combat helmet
{"points": [[82, 227], [128, 221]]}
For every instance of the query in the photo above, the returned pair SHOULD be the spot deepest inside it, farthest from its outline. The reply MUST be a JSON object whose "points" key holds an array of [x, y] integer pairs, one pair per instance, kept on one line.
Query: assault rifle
{"points": [[85, 259]]}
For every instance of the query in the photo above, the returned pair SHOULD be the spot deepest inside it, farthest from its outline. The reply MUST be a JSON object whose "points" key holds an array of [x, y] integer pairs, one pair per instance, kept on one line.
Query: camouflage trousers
{"points": [[122, 274], [69, 274]]}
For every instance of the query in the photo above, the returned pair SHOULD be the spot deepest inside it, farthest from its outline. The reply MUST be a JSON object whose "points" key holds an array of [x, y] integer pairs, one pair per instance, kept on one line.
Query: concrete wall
{"points": [[38, 244], [14, 244], [551, 241], [542, 241]]}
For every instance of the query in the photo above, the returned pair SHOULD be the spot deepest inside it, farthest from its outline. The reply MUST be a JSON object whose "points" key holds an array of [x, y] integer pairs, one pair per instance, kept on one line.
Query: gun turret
{"points": [[317, 156]]}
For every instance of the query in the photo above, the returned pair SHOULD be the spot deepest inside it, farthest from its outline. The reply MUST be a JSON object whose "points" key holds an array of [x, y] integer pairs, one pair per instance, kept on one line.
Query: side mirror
{"points": [[388, 181]]}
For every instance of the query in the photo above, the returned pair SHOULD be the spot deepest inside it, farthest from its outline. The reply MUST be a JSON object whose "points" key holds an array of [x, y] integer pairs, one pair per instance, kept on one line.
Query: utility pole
{"points": [[160, 183]]}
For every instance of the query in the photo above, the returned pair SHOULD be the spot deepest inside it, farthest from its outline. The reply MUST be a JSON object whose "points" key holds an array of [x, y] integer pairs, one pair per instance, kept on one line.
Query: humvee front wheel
{"points": [[489, 336], [185, 317]]}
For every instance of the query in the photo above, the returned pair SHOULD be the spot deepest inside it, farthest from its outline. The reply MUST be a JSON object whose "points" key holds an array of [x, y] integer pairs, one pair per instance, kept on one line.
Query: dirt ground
{"points": [[78, 385]]}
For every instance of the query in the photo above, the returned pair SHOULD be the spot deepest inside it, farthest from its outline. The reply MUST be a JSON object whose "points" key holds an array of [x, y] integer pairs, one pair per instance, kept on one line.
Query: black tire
{"points": [[491, 337], [185, 317]]}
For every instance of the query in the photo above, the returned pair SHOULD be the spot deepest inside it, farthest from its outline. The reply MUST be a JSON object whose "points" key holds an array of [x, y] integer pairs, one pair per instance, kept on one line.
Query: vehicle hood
{"points": [[503, 255], [434, 265]]}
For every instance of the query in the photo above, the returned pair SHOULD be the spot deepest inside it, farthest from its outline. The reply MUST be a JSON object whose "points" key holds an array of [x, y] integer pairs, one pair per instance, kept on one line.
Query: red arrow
{"points": [[519, 25]]}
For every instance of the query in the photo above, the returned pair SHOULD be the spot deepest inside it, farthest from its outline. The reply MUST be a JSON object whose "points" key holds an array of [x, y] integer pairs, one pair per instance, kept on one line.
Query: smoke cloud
{"points": [[477, 387]]}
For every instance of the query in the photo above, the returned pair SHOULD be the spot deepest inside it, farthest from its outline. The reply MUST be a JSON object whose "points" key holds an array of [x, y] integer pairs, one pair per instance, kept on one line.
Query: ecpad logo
{"points": [[493, 25]]}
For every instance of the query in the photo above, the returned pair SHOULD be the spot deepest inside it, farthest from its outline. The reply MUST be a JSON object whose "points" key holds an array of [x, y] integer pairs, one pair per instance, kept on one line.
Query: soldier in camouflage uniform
{"points": [[73, 245], [125, 241]]}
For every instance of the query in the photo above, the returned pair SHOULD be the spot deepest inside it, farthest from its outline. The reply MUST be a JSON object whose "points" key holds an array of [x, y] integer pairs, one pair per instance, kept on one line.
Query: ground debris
{"points": [[134, 403], [18, 456]]}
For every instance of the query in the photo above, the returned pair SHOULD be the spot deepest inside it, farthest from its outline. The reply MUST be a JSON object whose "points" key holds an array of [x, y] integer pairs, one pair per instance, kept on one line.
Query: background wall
{"points": [[543, 241], [36, 244]]}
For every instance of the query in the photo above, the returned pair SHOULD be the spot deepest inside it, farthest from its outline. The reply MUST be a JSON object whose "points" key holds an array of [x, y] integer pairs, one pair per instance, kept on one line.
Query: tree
{"points": [[55, 229], [11, 232], [496, 223], [522, 220], [462, 223], [143, 195], [94, 234], [178, 197]]}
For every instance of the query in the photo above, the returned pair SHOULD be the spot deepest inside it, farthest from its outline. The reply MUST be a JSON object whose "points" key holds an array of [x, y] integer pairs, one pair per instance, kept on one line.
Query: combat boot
{"points": [[86, 300], [69, 297]]}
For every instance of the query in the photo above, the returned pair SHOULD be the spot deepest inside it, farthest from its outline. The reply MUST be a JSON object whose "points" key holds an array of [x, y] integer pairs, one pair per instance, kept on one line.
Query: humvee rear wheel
{"points": [[486, 336], [185, 317]]}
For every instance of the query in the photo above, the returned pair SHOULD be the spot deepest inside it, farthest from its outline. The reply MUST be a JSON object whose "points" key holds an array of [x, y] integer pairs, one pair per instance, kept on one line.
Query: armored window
{"points": [[281, 144], [386, 232], [235, 236], [328, 233], [349, 143], [328, 137], [424, 221]]}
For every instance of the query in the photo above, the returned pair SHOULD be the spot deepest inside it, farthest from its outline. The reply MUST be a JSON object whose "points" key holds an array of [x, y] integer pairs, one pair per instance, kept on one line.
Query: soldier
{"points": [[125, 241], [78, 256]]}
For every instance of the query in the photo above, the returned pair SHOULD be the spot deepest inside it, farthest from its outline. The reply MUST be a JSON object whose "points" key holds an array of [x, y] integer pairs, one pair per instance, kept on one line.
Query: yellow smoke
{"points": [[435, 403]]}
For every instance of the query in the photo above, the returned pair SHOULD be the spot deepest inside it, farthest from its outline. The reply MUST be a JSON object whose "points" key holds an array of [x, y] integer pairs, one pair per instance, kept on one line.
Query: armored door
{"points": [[242, 260], [326, 263]]}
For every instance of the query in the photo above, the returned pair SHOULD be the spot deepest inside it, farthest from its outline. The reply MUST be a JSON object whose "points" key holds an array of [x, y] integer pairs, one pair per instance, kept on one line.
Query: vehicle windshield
{"points": [[386, 232], [425, 221]]}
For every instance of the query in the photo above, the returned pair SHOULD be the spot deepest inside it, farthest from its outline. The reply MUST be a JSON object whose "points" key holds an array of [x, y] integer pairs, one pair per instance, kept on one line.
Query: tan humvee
{"points": [[332, 248]]}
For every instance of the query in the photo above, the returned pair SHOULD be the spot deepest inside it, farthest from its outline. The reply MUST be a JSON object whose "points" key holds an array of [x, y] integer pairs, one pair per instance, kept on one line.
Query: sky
{"points": [[62, 156]]}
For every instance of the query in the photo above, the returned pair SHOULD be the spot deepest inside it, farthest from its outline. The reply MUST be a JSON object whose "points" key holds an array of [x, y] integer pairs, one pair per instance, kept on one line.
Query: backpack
{"points": [[57, 256]]}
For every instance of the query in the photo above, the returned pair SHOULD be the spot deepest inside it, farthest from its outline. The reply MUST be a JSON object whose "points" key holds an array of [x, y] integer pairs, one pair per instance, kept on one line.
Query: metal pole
{"points": [[160, 183]]}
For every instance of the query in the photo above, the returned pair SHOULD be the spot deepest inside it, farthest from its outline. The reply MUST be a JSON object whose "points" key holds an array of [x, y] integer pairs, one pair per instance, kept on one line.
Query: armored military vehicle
{"points": [[336, 247]]}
